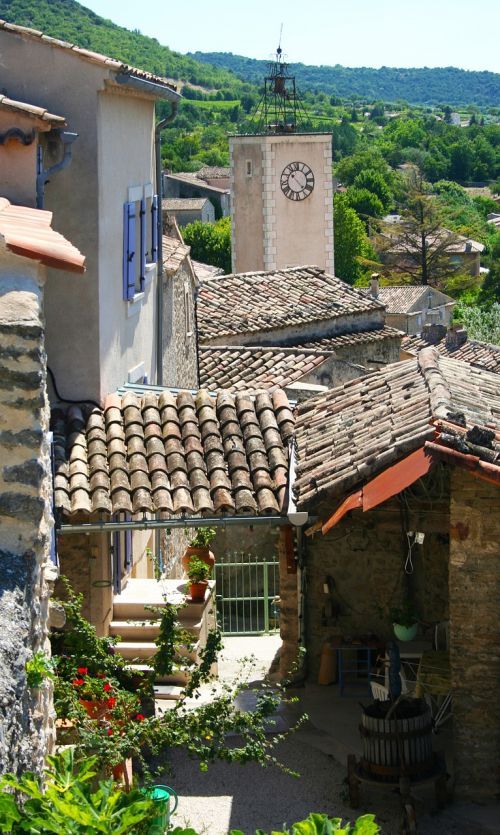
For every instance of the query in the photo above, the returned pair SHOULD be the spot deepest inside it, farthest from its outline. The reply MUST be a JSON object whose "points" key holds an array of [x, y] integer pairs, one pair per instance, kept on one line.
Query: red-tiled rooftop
{"points": [[94, 57], [28, 232], [263, 301], [246, 368], [32, 111]]}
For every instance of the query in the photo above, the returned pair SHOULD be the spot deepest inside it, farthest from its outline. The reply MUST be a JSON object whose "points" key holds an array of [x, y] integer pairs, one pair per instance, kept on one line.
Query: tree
{"points": [[420, 246], [210, 242], [364, 202], [351, 240], [374, 182]]}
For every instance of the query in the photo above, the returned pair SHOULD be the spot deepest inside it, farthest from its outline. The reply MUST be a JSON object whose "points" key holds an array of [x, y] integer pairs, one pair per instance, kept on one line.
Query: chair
{"points": [[381, 691]]}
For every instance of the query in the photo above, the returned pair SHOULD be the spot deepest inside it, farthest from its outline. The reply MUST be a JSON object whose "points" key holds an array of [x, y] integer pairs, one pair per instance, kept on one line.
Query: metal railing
{"points": [[246, 588]]}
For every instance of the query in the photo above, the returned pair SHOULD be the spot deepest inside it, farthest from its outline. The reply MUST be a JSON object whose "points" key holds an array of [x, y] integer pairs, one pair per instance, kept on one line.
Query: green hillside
{"points": [[70, 21], [417, 86]]}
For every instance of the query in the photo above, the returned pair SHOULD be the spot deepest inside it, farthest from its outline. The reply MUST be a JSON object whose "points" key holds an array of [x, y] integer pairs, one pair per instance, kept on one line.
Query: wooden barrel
{"points": [[395, 746]]}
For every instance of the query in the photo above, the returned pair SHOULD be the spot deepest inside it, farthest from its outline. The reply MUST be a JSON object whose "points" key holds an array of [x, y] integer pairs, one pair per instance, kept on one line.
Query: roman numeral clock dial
{"points": [[297, 181]]}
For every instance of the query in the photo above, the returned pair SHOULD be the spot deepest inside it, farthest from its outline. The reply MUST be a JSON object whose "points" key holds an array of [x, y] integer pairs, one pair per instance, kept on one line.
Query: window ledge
{"points": [[134, 305], [150, 272]]}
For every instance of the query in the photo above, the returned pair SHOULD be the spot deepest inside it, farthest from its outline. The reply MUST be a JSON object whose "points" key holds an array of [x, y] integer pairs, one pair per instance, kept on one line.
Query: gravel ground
{"points": [[250, 797]]}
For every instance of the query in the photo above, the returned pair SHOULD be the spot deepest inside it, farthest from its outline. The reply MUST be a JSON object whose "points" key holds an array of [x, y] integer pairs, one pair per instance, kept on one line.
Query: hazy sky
{"points": [[354, 33]]}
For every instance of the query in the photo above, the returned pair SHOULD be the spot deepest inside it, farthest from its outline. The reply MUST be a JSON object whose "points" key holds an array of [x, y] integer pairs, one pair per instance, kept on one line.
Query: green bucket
{"points": [[161, 796]]}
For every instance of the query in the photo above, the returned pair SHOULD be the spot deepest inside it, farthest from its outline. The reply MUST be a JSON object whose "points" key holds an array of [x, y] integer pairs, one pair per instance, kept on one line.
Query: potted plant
{"points": [[198, 572], [404, 621], [199, 546]]}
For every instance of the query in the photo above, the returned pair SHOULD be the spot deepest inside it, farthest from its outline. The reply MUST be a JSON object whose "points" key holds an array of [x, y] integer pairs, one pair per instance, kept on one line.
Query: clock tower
{"points": [[281, 185]]}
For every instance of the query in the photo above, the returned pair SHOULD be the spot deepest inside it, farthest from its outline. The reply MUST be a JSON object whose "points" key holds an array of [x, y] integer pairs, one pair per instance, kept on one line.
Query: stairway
{"points": [[134, 624]]}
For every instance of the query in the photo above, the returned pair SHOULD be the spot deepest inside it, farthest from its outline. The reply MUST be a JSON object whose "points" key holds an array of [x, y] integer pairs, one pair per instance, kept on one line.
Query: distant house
{"points": [[188, 209], [462, 253], [211, 182], [411, 307]]}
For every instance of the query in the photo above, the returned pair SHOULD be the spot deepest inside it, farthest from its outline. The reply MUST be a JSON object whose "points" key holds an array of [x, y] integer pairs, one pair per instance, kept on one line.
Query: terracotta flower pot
{"points": [[122, 773], [204, 554], [95, 709], [197, 590]]}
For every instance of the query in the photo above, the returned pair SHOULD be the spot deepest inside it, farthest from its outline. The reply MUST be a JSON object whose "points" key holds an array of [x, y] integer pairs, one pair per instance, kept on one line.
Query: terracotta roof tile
{"points": [[254, 368], [331, 343], [94, 57], [32, 111], [263, 301], [178, 455], [480, 354], [177, 204], [353, 432], [28, 232], [404, 298], [174, 253]]}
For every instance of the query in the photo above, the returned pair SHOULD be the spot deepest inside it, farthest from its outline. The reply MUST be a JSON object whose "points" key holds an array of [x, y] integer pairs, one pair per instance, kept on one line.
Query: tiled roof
{"points": [[247, 368], [204, 272], [93, 57], [403, 298], [213, 172], [176, 204], [263, 301], [178, 454], [350, 433], [481, 354], [27, 232], [174, 253], [31, 111], [330, 343]]}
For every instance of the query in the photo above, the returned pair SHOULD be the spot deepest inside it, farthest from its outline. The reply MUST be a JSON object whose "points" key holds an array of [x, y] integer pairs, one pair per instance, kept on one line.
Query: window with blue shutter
{"points": [[154, 228], [130, 255], [142, 270]]}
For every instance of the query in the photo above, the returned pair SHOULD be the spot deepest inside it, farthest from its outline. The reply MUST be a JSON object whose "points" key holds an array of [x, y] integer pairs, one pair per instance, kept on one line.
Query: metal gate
{"points": [[246, 589]]}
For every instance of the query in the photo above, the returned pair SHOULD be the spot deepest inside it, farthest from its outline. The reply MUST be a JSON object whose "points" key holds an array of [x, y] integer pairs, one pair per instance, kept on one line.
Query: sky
{"points": [[354, 33]]}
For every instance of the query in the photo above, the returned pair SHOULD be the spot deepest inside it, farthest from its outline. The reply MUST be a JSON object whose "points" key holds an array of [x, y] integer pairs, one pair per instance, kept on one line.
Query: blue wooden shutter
{"points": [[117, 563], [129, 253], [129, 557], [154, 228], [143, 244]]}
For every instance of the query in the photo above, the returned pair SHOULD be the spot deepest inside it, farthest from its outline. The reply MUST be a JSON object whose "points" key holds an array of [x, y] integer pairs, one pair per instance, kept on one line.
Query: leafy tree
{"points": [[364, 202], [374, 182], [351, 240], [210, 242], [420, 246]]}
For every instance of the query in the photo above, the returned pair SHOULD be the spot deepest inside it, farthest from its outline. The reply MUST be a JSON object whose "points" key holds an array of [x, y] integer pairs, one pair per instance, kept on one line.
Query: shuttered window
{"points": [[130, 254], [140, 243]]}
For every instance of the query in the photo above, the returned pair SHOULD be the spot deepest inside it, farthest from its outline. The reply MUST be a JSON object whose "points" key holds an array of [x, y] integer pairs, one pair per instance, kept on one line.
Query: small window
{"points": [[249, 167], [140, 239]]}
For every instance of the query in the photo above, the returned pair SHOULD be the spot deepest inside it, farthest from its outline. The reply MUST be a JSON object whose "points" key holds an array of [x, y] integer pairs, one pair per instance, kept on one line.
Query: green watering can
{"points": [[161, 796]]}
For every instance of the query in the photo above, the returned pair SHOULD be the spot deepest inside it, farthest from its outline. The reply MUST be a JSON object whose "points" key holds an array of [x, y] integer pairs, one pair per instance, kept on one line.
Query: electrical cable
{"points": [[65, 399]]}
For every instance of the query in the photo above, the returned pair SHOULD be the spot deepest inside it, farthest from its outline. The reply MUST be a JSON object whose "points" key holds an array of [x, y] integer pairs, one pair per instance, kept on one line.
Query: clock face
{"points": [[297, 181]]}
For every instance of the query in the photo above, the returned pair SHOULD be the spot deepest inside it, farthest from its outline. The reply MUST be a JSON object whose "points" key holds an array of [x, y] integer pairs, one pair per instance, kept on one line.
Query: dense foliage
{"points": [[424, 85], [210, 242]]}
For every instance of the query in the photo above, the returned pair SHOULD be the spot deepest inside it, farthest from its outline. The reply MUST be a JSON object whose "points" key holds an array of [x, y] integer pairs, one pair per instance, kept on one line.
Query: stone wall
{"points": [[180, 366], [365, 556], [474, 635], [26, 573]]}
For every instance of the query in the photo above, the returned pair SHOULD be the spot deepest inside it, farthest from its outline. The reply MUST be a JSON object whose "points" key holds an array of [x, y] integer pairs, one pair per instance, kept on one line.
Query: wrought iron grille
{"points": [[247, 587]]}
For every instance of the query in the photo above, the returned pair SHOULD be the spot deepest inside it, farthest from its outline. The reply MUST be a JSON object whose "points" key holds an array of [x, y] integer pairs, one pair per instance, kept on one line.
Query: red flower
{"points": [[107, 688], [83, 671], [140, 717], [110, 732], [111, 702], [77, 682]]}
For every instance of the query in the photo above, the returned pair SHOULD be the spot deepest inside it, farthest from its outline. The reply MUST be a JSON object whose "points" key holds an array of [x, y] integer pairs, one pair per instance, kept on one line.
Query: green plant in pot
{"points": [[199, 546], [404, 621], [198, 572]]}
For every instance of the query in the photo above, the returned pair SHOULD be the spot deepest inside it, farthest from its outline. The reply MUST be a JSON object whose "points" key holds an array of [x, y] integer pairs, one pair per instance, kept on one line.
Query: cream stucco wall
{"points": [[93, 337], [269, 230], [18, 161], [125, 160]]}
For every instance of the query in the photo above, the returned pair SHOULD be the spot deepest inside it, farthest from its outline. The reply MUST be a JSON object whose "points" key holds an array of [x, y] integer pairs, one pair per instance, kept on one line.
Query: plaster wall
{"points": [[18, 161], [310, 331], [125, 160], [49, 77], [294, 232], [184, 216]]}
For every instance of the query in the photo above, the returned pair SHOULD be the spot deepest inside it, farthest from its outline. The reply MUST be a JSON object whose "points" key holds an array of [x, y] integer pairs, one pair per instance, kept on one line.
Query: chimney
{"points": [[374, 285], [455, 337], [433, 333]]}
